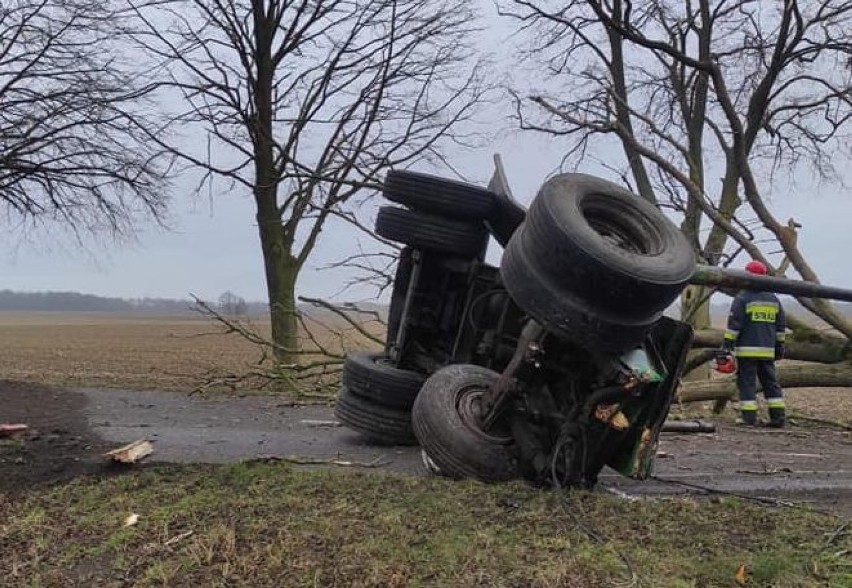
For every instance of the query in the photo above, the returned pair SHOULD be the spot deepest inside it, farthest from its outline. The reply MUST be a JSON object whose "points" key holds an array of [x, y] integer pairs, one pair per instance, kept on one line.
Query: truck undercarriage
{"points": [[549, 367]]}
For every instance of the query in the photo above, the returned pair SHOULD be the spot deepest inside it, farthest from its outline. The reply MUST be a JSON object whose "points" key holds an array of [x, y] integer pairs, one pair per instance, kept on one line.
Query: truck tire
{"points": [[372, 377], [386, 426], [574, 319], [605, 245], [436, 195], [444, 423], [431, 233]]}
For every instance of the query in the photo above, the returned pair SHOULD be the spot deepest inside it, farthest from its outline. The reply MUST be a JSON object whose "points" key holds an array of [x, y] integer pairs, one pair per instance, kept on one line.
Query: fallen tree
{"points": [[802, 345], [828, 360], [789, 376]]}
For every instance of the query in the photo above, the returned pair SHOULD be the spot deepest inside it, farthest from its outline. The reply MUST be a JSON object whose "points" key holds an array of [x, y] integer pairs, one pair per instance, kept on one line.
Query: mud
{"points": [[60, 443], [71, 428]]}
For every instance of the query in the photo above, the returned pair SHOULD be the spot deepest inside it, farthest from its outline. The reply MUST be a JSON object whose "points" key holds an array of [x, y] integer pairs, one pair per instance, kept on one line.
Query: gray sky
{"points": [[214, 246]]}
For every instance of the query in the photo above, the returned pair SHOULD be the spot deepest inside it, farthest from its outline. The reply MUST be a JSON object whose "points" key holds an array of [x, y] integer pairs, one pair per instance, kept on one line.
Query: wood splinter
{"points": [[132, 452]]}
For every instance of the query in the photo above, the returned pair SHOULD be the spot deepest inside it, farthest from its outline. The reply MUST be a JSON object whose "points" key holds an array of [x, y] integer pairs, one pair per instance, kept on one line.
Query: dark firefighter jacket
{"points": [[756, 324]]}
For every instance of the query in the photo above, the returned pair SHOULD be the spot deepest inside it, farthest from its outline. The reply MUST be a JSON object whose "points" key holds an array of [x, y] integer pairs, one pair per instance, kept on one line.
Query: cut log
{"points": [[789, 376], [132, 452], [810, 345]]}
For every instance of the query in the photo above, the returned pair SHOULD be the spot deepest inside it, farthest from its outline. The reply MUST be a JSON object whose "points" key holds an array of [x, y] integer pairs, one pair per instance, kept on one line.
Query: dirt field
{"points": [[171, 353], [131, 352]]}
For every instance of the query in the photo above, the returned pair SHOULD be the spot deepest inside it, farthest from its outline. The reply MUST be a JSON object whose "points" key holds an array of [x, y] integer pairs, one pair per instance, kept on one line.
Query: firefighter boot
{"points": [[776, 417], [748, 412]]}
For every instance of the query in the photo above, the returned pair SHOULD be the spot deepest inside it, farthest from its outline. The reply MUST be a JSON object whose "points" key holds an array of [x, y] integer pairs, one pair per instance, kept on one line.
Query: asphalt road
{"points": [[800, 464]]}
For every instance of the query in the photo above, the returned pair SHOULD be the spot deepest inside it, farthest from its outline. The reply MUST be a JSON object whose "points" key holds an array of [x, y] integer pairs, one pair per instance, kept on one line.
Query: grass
{"points": [[266, 524]]}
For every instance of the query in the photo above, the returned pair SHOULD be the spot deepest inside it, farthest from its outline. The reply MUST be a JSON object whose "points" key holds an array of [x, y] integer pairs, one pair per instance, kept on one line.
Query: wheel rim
{"points": [[621, 226], [469, 408]]}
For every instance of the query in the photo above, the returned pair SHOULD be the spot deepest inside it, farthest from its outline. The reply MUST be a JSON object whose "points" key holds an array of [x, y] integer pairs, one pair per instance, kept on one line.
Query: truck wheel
{"points": [[432, 194], [535, 292], [386, 426], [431, 233], [445, 423], [372, 377], [605, 245]]}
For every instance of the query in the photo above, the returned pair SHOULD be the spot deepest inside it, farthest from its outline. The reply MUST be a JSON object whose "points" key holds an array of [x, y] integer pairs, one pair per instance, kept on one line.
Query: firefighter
{"points": [[755, 334]]}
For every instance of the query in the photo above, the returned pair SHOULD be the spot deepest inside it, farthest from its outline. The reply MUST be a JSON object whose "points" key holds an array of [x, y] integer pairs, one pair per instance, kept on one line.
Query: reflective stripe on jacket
{"points": [[755, 324]]}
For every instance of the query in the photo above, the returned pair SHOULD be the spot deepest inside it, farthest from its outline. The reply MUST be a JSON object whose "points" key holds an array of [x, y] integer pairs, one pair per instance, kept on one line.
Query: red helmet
{"points": [[756, 267]]}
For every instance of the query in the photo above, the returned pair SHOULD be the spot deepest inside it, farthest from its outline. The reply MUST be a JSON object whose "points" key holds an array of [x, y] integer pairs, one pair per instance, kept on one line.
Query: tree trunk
{"points": [[276, 241], [281, 270], [622, 112], [789, 376], [811, 345], [695, 310]]}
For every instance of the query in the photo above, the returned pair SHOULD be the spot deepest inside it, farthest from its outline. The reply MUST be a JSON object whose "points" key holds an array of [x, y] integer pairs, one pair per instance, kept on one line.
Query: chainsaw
{"points": [[724, 362]]}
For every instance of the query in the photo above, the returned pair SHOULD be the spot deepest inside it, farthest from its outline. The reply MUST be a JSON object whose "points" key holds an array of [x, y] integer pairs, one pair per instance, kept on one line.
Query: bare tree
{"points": [[232, 305], [68, 94], [708, 101], [304, 103]]}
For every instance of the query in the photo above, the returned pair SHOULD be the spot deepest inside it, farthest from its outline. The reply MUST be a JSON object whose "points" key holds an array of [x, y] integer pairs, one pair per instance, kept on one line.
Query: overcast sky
{"points": [[214, 246]]}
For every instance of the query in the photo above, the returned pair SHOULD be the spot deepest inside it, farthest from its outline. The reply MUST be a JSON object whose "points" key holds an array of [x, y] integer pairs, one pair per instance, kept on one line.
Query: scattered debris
{"points": [[696, 426], [623, 495], [431, 466], [840, 425], [179, 537], [307, 460], [740, 576], [15, 431], [768, 472], [132, 452], [131, 520], [318, 423]]}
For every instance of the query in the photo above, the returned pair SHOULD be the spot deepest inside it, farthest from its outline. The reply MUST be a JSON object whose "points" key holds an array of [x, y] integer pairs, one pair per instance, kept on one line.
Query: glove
{"points": [[779, 351]]}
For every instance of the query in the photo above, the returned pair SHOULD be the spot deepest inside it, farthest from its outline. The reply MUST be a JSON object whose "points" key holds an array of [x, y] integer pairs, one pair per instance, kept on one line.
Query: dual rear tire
{"points": [[376, 397], [595, 263]]}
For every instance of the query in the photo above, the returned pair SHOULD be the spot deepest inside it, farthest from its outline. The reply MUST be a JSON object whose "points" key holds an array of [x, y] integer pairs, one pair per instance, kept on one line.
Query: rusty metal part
{"points": [[527, 359], [708, 275]]}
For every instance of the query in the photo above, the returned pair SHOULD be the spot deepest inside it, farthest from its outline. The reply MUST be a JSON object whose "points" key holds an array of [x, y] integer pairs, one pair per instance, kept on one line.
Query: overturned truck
{"points": [[549, 367]]}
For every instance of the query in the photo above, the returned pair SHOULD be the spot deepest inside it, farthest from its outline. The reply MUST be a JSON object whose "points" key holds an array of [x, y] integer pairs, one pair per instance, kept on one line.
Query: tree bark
{"points": [[695, 310], [281, 269], [810, 345], [622, 113], [789, 376]]}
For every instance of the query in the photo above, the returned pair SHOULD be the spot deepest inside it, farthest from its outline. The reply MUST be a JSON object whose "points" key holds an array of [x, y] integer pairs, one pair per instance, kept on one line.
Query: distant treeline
{"points": [[76, 302]]}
